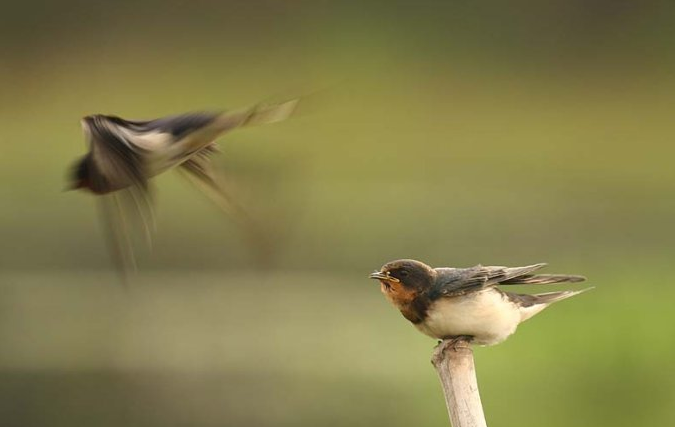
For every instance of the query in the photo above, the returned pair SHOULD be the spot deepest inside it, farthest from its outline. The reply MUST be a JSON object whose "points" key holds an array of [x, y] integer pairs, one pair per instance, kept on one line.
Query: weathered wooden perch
{"points": [[453, 361]]}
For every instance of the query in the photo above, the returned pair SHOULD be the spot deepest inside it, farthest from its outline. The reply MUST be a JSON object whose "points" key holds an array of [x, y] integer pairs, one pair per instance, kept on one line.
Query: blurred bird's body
{"points": [[125, 154], [447, 303]]}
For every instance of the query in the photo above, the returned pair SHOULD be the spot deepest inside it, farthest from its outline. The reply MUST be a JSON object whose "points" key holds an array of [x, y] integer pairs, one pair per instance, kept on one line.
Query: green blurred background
{"points": [[455, 132]]}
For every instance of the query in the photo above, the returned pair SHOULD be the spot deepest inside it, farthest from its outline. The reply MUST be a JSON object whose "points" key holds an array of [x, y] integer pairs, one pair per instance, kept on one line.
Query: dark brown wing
{"points": [[458, 281], [543, 279]]}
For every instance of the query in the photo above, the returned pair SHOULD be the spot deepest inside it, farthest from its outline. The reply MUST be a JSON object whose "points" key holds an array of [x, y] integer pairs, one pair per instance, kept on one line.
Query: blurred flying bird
{"points": [[465, 303], [124, 154]]}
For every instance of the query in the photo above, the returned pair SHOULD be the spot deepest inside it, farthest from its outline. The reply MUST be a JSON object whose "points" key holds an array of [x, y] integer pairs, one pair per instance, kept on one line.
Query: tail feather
{"points": [[551, 297], [533, 304], [528, 300]]}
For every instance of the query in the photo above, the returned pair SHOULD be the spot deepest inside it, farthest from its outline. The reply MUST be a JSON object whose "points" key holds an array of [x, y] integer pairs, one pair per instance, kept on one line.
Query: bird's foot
{"points": [[453, 344], [456, 341]]}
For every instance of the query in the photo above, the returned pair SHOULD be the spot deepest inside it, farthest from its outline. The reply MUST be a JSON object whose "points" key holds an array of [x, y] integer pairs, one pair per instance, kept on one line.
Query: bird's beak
{"points": [[382, 276]]}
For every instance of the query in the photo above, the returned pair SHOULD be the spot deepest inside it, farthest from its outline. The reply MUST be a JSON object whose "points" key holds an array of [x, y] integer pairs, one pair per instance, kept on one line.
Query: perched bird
{"points": [[465, 303], [125, 154]]}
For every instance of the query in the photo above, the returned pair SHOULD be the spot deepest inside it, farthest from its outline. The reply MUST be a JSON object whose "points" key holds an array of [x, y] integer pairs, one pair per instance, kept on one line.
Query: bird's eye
{"points": [[403, 273]]}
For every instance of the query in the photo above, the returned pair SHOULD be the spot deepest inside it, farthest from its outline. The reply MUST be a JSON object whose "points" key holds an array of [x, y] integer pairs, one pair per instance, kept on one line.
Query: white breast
{"points": [[487, 315]]}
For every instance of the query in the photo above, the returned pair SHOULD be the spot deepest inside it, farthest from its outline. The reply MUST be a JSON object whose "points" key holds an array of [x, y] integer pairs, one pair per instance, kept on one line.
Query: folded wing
{"points": [[458, 281]]}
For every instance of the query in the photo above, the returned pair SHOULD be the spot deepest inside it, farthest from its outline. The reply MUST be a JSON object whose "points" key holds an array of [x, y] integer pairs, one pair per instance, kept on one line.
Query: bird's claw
{"points": [[454, 342]]}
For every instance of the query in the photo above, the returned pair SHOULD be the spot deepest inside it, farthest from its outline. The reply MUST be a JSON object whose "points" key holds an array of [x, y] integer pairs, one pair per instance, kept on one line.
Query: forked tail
{"points": [[531, 304], [551, 297]]}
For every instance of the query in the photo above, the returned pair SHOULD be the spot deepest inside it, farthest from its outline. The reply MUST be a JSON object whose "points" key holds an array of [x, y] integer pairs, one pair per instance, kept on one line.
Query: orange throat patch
{"points": [[400, 296]]}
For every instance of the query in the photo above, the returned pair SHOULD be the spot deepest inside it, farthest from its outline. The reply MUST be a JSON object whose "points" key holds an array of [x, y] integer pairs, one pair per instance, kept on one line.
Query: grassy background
{"points": [[456, 134]]}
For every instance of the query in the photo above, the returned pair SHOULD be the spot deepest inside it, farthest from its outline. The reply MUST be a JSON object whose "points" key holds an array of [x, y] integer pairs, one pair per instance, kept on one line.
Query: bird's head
{"points": [[402, 280]]}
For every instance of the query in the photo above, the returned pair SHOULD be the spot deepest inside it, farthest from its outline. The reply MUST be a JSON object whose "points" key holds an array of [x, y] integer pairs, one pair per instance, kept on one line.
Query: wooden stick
{"points": [[453, 361]]}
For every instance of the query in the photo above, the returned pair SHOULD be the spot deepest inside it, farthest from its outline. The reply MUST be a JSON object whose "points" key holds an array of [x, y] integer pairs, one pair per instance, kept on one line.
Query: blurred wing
{"points": [[271, 113], [116, 160], [192, 132], [178, 125], [182, 125], [127, 217], [459, 281], [200, 171]]}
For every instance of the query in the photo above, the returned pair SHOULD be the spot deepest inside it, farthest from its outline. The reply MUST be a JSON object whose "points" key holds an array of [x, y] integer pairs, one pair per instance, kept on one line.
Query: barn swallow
{"points": [[125, 154], [465, 303]]}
